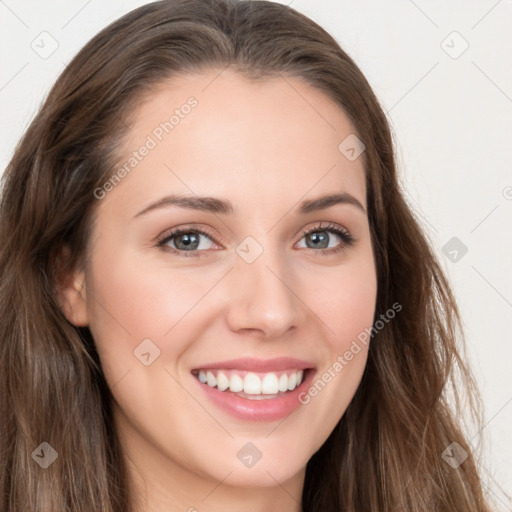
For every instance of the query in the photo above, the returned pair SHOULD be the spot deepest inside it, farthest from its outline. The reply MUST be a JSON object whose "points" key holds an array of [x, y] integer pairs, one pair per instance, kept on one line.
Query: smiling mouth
{"points": [[252, 385]]}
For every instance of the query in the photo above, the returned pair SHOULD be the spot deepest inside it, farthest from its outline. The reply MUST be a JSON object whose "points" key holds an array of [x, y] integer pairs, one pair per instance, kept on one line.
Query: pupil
{"points": [[319, 236], [188, 240]]}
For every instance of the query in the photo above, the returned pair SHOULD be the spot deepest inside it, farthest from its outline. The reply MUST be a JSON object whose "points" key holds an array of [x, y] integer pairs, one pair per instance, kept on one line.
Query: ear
{"points": [[70, 289]]}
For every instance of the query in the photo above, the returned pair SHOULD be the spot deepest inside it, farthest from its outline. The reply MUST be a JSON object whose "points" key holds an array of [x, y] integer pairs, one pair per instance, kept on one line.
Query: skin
{"points": [[291, 301]]}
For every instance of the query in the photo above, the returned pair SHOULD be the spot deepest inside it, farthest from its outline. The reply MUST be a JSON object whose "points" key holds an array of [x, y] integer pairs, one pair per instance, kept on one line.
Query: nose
{"points": [[264, 296]]}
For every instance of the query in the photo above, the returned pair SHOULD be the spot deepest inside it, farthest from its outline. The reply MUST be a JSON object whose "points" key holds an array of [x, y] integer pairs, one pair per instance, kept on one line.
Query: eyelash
{"points": [[347, 240]]}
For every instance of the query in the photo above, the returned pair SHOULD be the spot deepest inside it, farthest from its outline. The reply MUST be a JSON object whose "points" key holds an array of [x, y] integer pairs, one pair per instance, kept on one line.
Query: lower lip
{"points": [[270, 409]]}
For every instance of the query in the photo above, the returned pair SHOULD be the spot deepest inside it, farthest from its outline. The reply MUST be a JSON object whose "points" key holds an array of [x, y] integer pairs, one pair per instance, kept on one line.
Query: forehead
{"points": [[218, 133]]}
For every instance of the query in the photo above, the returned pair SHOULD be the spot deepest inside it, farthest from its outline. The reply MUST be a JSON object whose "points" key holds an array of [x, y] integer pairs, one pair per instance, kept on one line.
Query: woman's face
{"points": [[253, 303]]}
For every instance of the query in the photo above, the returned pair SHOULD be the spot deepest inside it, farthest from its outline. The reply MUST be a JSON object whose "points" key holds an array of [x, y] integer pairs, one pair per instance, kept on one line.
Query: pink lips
{"points": [[270, 409]]}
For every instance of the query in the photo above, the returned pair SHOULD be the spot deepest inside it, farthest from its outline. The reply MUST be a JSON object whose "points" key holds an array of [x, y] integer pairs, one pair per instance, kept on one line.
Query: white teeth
{"points": [[236, 384], [270, 384], [292, 381], [222, 381], [283, 383], [252, 383], [211, 380]]}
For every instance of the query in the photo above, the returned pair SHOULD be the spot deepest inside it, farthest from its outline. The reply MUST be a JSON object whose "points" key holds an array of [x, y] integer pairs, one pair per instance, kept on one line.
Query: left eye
{"points": [[320, 239]]}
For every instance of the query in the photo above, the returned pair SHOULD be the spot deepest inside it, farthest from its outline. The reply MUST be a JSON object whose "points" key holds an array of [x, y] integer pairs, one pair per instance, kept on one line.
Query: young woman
{"points": [[213, 294]]}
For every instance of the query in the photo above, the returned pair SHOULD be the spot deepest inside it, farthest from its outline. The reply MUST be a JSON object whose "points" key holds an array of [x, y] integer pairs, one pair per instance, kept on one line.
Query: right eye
{"points": [[182, 241]]}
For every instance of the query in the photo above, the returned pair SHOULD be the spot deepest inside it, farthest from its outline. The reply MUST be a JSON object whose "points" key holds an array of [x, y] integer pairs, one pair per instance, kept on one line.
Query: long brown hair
{"points": [[386, 453]]}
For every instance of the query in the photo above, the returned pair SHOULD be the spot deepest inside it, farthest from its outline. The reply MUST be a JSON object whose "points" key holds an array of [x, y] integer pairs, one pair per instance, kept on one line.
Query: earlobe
{"points": [[70, 290], [76, 302]]}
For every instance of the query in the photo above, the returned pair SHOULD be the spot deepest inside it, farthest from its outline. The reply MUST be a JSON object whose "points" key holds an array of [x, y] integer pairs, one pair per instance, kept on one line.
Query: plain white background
{"points": [[442, 72]]}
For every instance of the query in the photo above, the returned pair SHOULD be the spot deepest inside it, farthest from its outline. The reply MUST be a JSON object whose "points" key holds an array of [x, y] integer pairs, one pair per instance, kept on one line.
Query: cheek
{"points": [[349, 318], [344, 300], [343, 297], [132, 299], [129, 304], [349, 307]]}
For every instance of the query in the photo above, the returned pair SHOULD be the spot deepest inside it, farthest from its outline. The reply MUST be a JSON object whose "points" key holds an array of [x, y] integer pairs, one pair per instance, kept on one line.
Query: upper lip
{"points": [[259, 365]]}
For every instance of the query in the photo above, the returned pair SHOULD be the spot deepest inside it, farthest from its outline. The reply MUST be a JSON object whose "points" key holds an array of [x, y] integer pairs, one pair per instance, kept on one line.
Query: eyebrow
{"points": [[222, 206]]}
